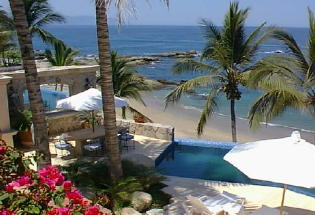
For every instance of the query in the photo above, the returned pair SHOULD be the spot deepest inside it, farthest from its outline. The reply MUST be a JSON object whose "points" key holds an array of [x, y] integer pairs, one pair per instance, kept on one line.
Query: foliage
{"points": [[117, 194], [11, 57], [12, 164], [97, 175], [288, 81], [127, 83], [45, 192], [39, 14], [21, 120], [61, 55], [6, 22], [228, 54]]}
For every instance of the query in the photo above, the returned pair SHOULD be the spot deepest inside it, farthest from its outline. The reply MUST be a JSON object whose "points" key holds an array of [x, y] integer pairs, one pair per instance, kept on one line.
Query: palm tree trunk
{"points": [[233, 121], [32, 82], [111, 141]]}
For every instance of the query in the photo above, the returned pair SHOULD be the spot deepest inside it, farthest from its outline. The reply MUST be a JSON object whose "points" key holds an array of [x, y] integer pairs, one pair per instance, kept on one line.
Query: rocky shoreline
{"points": [[139, 60]]}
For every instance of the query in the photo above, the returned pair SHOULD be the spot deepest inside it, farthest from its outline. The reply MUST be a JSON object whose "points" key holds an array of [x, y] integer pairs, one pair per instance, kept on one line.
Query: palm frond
{"points": [[201, 81], [274, 102], [290, 42], [208, 110], [189, 65], [311, 38]]}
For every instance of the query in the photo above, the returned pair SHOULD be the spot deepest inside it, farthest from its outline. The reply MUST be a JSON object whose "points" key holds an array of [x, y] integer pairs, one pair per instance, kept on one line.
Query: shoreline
{"points": [[217, 128]]}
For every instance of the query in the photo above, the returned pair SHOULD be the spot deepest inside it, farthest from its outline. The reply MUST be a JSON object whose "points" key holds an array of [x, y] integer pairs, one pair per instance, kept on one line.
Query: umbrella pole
{"points": [[93, 121], [283, 197]]}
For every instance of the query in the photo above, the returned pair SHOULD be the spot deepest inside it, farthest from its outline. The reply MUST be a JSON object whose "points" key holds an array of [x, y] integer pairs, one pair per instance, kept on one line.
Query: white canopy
{"points": [[285, 161], [90, 99], [282, 160]]}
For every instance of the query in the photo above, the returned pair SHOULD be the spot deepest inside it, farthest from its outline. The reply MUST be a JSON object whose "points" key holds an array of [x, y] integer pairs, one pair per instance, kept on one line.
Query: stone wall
{"points": [[154, 130], [62, 121]]}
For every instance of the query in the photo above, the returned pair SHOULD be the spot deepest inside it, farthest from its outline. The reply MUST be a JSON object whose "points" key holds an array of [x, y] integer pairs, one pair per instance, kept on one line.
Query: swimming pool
{"points": [[50, 97], [204, 160]]}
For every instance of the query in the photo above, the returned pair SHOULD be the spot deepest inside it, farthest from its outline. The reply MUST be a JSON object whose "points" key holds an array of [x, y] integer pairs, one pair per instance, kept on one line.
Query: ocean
{"points": [[148, 40]]}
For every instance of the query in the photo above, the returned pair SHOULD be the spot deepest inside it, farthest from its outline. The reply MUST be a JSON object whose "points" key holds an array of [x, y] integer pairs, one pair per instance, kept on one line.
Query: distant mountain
{"points": [[84, 20]]}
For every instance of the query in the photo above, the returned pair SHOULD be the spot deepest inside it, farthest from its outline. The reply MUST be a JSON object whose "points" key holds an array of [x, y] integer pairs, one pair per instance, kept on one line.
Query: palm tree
{"points": [[39, 14], [287, 81], [5, 20], [127, 83], [112, 147], [226, 56], [32, 82], [62, 55]]}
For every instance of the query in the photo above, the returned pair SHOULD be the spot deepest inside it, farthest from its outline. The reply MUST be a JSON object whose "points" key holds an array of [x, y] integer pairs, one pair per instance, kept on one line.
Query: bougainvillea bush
{"points": [[42, 192]]}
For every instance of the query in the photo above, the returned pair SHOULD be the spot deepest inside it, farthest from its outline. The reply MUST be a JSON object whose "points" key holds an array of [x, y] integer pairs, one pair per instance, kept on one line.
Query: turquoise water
{"points": [[146, 40], [206, 162], [50, 98]]}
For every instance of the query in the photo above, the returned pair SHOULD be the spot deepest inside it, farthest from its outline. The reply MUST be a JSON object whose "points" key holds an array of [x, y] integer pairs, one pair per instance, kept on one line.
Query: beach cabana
{"points": [[280, 161]]}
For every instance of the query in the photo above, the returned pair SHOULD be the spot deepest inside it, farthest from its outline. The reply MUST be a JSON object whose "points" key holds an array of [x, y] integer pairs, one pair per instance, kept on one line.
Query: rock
{"points": [[88, 192], [129, 211], [141, 200], [155, 212], [186, 54]]}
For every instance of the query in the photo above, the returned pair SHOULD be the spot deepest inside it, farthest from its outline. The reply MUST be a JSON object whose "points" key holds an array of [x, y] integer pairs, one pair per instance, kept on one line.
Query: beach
{"points": [[185, 121]]}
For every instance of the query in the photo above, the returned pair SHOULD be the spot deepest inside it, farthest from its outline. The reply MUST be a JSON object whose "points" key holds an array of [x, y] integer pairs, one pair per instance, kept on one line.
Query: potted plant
{"points": [[138, 118], [22, 122]]}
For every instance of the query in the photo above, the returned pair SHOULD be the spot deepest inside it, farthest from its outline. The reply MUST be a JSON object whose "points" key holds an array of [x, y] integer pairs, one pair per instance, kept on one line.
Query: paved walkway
{"points": [[145, 152], [296, 204]]}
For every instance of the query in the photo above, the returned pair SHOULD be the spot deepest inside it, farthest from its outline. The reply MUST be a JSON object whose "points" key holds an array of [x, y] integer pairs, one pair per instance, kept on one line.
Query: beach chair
{"points": [[198, 206], [230, 204], [264, 210]]}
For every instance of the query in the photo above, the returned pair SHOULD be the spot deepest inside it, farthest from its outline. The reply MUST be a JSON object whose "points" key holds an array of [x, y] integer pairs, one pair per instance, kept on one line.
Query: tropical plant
{"points": [[127, 83], [62, 55], [39, 14], [6, 47], [226, 56], [95, 175], [21, 120], [117, 194], [288, 81], [32, 82], [45, 192], [6, 22], [112, 146]]}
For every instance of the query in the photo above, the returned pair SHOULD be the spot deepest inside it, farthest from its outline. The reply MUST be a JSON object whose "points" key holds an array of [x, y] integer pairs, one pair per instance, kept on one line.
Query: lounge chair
{"points": [[231, 205], [264, 210]]}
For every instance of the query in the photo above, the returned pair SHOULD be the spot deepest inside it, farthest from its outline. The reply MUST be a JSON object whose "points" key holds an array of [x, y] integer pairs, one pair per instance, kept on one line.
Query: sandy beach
{"points": [[217, 129]]}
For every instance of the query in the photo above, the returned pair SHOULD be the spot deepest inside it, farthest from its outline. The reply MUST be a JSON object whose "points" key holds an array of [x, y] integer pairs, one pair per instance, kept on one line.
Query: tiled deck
{"points": [[145, 152]]}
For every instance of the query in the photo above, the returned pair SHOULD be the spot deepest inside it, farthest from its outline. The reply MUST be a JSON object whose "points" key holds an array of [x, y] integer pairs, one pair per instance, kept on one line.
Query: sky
{"points": [[285, 13]]}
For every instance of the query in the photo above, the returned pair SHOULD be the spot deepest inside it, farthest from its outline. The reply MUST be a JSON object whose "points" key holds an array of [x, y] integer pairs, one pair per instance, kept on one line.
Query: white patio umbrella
{"points": [[88, 100], [276, 160]]}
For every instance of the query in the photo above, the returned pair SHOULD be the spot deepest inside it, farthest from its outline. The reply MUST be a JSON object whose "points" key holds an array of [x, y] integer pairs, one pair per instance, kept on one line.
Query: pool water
{"points": [[50, 98], [206, 162]]}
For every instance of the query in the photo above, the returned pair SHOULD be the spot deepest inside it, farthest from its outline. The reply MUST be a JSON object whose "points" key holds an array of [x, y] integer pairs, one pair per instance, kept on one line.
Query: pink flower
{"points": [[93, 210], [67, 185], [7, 212], [75, 196], [3, 149], [23, 181], [51, 176], [59, 211]]}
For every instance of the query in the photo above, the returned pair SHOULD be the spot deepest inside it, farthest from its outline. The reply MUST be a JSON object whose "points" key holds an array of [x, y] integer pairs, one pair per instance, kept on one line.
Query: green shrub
{"points": [[96, 175]]}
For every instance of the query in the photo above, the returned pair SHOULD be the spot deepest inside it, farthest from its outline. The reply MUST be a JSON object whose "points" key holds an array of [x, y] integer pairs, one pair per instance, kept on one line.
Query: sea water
{"points": [[148, 40]]}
